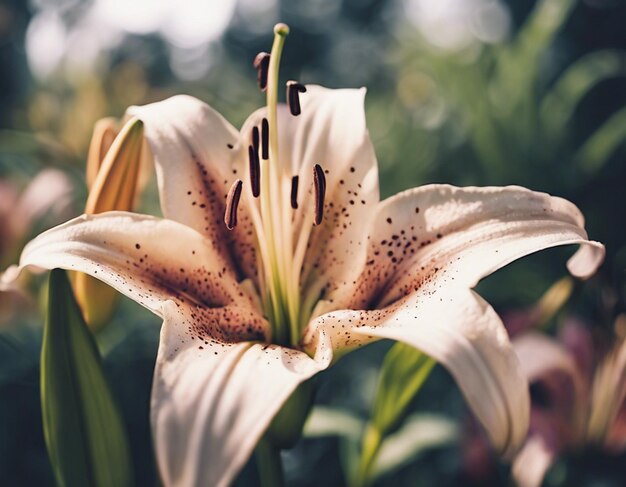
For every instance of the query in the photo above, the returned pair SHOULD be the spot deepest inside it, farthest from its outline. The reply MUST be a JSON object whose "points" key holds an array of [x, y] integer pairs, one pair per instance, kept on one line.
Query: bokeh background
{"points": [[468, 92]]}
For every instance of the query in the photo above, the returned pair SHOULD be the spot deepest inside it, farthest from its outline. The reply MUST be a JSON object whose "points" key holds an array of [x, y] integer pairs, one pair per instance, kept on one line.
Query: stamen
{"points": [[261, 64], [255, 171], [232, 202], [293, 97], [265, 139], [319, 181], [294, 192], [255, 138]]}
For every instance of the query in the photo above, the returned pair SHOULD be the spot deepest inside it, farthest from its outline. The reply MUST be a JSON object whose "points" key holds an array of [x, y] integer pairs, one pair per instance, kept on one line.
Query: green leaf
{"points": [[349, 458], [559, 103], [404, 371], [542, 25], [600, 145], [518, 63], [83, 429], [324, 421], [328, 421], [420, 432]]}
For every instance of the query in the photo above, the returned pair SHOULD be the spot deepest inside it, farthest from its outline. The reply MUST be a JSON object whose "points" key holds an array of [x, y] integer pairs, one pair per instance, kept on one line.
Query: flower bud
{"points": [[104, 133], [114, 187]]}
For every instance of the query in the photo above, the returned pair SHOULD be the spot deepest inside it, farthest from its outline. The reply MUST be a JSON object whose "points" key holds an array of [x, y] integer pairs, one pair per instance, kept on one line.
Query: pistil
{"points": [[283, 293], [272, 182]]}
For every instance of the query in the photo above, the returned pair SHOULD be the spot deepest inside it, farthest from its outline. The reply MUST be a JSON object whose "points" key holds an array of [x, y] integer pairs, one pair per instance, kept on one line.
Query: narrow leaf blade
{"points": [[601, 144], [578, 79], [404, 371], [420, 433], [83, 428]]}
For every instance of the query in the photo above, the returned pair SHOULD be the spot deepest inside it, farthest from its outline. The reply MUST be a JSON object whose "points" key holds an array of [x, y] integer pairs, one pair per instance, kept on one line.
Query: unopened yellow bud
{"points": [[114, 188], [553, 300], [115, 185], [104, 133]]}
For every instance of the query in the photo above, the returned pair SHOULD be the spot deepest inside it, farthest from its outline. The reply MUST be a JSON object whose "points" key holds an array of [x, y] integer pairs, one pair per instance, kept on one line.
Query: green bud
{"points": [[83, 429]]}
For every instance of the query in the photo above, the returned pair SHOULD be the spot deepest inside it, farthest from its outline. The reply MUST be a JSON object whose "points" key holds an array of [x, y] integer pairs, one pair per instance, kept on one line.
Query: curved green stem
{"points": [[372, 441], [269, 464]]}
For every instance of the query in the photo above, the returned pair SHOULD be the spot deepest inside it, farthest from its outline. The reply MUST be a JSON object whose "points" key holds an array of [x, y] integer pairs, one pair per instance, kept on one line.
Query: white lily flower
{"points": [[314, 264]]}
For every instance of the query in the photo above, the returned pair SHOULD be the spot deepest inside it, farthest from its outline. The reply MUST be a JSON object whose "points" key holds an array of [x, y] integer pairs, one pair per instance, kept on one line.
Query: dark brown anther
{"points": [[255, 171], [265, 139], [319, 181], [293, 97], [255, 137], [261, 64], [232, 202], [294, 192]]}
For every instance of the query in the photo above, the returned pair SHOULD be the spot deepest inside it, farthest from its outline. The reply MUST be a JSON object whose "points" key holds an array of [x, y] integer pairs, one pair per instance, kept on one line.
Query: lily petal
{"points": [[136, 255], [426, 247], [559, 425], [215, 391], [532, 463], [540, 356], [212, 401], [198, 155], [330, 131], [450, 235], [49, 193], [461, 331]]}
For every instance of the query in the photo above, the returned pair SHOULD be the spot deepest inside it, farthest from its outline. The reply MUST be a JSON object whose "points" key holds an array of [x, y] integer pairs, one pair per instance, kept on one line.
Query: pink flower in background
{"points": [[46, 201], [581, 400], [48, 196]]}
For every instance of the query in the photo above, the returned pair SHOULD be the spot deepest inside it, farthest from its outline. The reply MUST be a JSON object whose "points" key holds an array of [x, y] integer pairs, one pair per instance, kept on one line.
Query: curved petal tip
{"points": [[585, 262], [8, 279]]}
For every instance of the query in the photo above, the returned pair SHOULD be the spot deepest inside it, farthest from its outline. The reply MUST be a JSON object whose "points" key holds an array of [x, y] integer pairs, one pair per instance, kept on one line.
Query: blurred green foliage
{"points": [[543, 107], [517, 123]]}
